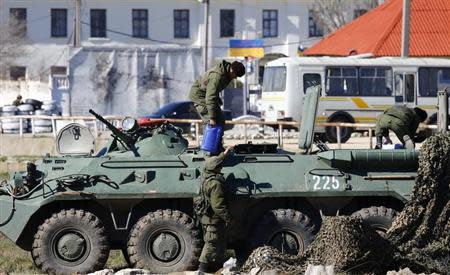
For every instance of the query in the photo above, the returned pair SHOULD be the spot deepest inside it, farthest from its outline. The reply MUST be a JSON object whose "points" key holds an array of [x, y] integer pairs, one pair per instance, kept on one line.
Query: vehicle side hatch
{"points": [[309, 112], [75, 140]]}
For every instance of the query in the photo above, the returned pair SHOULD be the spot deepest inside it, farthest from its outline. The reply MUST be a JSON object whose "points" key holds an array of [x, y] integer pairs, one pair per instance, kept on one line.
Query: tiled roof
{"points": [[379, 31]]}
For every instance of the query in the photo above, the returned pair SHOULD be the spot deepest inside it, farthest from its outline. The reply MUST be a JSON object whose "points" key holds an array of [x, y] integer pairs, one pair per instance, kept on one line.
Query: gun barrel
{"points": [[113, 129]]}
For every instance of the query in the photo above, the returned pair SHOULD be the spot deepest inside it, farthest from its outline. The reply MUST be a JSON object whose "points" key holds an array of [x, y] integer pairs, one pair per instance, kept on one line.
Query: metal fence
{"points": [[97, 127]]}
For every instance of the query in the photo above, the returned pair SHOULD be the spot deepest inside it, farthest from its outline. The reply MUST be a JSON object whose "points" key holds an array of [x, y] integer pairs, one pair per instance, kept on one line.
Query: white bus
{"points": [[354, 90]]}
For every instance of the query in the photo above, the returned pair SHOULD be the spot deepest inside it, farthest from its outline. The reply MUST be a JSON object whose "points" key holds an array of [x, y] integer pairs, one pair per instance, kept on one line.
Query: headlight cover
{"points": [[129, 124]]}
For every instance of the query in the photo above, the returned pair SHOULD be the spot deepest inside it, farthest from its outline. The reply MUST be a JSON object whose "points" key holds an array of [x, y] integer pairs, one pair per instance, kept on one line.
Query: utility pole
{"points": [[77, 36], [442, 120], [206, 19], [405, 28]]}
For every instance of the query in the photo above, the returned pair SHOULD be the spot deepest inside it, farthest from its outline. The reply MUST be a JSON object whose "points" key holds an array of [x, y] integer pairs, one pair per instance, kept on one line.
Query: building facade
{"points": [[48, 48]]}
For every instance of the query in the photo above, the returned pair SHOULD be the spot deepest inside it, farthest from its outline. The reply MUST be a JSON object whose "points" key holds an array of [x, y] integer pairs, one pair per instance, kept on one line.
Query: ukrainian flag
{"points": [[254, 47]]}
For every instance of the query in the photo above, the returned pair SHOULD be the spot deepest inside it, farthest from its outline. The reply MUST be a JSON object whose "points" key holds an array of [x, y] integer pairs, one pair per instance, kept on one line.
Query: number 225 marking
{"points": [[325, 183]]}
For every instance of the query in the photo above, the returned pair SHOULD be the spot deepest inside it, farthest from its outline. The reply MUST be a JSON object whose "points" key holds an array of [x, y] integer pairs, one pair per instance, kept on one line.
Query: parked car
{"points": [[184, 110]]}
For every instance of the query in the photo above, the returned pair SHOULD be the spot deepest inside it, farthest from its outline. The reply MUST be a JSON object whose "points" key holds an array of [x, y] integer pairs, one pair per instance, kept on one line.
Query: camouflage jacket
{"points": [[401, 118], [214, 189], [205, 90]]}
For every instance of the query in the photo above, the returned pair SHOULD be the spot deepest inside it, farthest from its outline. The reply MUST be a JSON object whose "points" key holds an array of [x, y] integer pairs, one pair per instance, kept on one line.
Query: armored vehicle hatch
{"points": [[75, 140]]}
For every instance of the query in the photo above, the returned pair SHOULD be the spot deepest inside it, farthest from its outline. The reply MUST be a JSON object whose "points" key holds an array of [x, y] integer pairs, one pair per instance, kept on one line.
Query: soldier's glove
{"points": [[409, 143]]}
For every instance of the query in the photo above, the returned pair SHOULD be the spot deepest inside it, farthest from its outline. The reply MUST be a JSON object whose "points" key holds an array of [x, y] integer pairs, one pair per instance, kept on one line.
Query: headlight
{"points": [[129, 124]]}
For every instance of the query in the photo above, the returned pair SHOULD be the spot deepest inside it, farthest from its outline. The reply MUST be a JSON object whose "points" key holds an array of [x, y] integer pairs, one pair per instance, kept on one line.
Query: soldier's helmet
{"points": [[19, 97]]}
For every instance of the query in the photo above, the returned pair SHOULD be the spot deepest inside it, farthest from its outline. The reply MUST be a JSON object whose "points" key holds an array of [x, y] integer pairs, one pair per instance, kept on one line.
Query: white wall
{"points": [[44, 51]]}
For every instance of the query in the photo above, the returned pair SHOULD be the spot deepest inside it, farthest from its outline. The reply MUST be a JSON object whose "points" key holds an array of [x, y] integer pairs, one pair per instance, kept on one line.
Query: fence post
{"points": [[245, 133], [370, 139], [32, 127], [20, 127], [197, 133], [54, 127], [280, 135], [442, 121], [96, 128], [338, 136]]}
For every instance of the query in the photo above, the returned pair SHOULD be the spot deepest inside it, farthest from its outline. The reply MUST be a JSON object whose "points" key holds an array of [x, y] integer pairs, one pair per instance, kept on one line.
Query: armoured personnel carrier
{"points": [[136, 195]]}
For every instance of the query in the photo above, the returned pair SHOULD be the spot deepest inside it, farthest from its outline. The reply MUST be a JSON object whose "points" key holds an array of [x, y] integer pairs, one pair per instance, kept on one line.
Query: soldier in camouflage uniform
{"points": [[216, 214], [18, 101], [403, 121], [205, 91]]}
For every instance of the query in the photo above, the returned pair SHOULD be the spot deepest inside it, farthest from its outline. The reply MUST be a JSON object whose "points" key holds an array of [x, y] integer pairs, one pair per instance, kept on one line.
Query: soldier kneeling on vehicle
{"points": [[403, 121], [213, 210]]}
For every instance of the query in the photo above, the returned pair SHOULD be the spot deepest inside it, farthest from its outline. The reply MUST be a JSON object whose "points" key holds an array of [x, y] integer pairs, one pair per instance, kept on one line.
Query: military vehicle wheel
{"points": [[71, 241], [164, 241], [288, 230], [379, 218], [331, 132]]}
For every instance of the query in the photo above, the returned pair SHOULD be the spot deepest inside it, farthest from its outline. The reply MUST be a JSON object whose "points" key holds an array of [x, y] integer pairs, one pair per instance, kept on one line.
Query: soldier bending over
{"points": [[403, 121]]}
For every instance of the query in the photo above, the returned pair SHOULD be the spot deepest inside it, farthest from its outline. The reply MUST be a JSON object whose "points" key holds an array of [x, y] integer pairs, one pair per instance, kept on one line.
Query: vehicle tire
{"points": [[164, 241], [14, 125], [71, 241], [287, 230], [41, 112], [379, 218], [331, 132], [43, 123], [43, 129], [36, 103], [25, 108], [9, 109]]}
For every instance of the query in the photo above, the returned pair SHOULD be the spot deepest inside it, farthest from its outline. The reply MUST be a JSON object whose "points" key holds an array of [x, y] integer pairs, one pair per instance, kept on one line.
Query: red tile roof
{"points": [[379, 31]]}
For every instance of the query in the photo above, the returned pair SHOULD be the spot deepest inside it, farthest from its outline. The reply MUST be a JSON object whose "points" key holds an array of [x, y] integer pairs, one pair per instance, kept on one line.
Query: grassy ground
{"points": [[15, 260]]}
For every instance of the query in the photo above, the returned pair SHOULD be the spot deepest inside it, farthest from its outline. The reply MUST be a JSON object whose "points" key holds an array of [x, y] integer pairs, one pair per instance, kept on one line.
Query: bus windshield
{"points": [[274, 79]]}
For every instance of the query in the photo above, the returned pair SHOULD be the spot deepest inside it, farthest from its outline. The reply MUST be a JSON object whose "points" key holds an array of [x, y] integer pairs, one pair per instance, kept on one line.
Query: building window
{"points": [[358, 12], [270, 23], [98, 23], [140, 23], [58, 70], [315, 28], [181, 23], [226, 23], [18, 21], [17, 73], [59, 22]]}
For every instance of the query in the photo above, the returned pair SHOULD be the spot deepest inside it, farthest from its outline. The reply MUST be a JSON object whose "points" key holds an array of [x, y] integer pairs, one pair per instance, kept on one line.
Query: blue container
{"points": [[212, 137]]}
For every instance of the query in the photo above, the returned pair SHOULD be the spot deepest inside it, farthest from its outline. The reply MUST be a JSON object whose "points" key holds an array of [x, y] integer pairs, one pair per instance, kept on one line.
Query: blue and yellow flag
{"points": [[254, 47]]}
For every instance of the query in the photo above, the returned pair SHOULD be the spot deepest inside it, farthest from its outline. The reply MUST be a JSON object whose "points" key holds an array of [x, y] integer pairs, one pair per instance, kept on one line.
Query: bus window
{"points": [[274, 79], [432, 80], [342, 81], [375, 81], [310, 80], [410, 87], [404, 88]]}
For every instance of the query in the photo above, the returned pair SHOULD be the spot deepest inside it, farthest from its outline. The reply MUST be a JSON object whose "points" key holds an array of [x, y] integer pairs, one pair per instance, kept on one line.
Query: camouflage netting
{"points": [[344, 242], [421, 232], [419, 238], [349, 245]]}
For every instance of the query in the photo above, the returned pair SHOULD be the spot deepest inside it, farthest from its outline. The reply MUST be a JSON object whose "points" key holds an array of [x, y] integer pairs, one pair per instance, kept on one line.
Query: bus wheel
{"points": [[331, 131]]}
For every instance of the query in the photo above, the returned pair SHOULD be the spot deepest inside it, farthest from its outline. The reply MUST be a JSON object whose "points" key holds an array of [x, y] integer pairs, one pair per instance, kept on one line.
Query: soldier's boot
{"points": [[379, 144], [203, 267], [409, 143]]}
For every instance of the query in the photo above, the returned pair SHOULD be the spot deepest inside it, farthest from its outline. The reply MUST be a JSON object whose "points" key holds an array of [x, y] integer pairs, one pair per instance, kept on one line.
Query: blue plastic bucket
{"points": [[212, 137]]}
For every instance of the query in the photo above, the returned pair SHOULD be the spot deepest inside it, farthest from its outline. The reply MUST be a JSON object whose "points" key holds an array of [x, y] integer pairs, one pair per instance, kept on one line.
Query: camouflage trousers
{"points": [[203, 112], [386, 123], [220, 120], [214, 237]]}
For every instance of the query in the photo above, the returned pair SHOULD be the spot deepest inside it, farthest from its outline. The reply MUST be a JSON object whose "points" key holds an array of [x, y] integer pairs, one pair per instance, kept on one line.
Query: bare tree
{"points": [[12, 41], [333, 14]]}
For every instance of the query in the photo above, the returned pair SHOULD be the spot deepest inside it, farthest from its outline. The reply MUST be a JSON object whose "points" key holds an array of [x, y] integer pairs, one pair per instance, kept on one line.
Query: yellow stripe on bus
{"points": [[330, 98], [360, 103], [276, 98]]}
